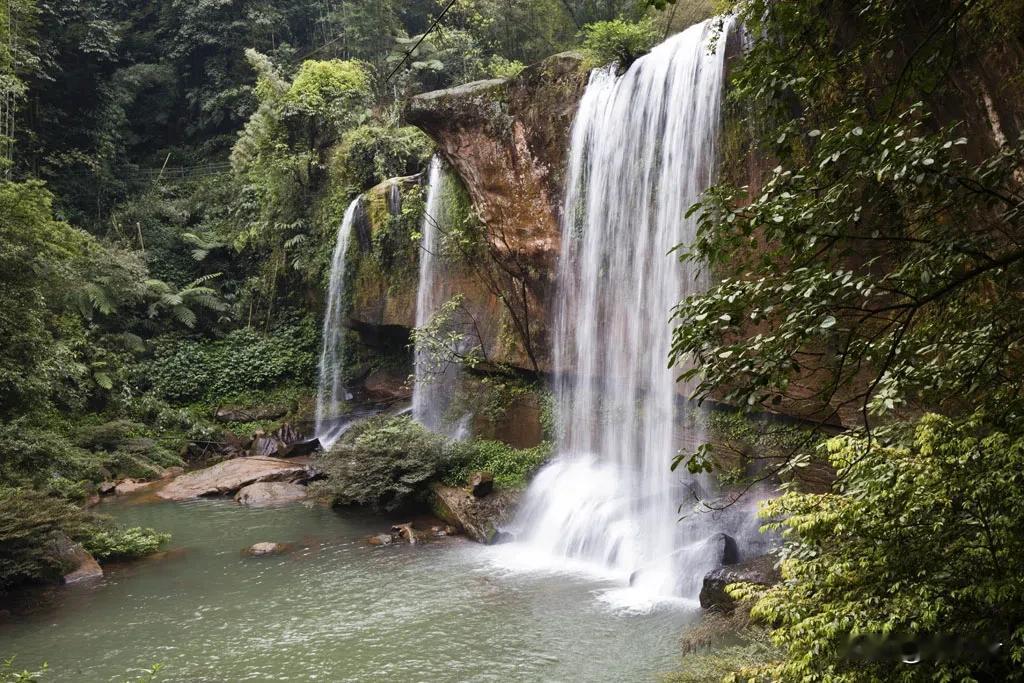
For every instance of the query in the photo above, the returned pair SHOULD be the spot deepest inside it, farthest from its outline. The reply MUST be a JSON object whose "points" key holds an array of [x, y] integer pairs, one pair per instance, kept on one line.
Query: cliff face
{"points": [[507, 141], [383, 261]]}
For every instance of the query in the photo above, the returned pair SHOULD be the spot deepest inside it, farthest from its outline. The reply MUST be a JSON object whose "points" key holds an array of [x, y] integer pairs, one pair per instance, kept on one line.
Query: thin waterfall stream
{"points": [[644, 146], [436, 374], [331, 395]]}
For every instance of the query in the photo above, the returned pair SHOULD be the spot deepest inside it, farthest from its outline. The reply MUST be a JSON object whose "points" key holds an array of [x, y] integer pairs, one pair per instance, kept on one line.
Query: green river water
{"points": [[335, 609]]}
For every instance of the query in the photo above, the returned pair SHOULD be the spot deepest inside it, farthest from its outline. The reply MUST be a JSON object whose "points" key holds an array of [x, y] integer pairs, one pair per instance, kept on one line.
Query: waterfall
{"points": [[330, 394], [644, 146], [437, 376]]}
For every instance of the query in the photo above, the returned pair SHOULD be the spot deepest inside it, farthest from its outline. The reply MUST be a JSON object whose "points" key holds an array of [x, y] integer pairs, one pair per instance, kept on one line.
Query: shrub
{"points": [[185, 370], [45, 459], [124, 543], [511, 467], [919, 542], [31, 525], [109, 435], [382, 463], [500, 67], [618, 41], [371, 154]]}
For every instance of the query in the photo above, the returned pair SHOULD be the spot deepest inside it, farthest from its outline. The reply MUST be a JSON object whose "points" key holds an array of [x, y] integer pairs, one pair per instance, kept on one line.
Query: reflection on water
{"points": [[335, 609]]}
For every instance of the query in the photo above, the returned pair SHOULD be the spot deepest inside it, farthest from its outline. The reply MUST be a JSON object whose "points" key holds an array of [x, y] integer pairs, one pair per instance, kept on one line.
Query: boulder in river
{"points": [[129, 486], [84, 566], [478, 518], [265, 493], [759, 570], [266, 548], [381, 539], [172, 472], [231, 475], [405, 532]]}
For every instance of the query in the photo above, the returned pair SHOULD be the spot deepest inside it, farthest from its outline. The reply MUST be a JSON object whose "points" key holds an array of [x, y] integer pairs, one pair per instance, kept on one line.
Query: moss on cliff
{"points": [[382, 264]]}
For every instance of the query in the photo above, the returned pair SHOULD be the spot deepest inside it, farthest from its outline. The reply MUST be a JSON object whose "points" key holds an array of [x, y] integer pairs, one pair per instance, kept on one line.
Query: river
{"points": [[333, 609]]}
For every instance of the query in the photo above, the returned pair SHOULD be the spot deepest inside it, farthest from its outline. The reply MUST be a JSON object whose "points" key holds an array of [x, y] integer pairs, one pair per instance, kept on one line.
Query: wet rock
{"points": [[266, 548], [381, 539], [106, 488], [478, 518], [507, 141], [129, 486], [236, 413], [264, 444], [405, 532], [284, 442], [723, 549], [481, 483], [302, 448], [502, 537], [519, 425], [84, 566], [759, 570], [231, 475], [172, 472], [387, 385], [266, 493]]}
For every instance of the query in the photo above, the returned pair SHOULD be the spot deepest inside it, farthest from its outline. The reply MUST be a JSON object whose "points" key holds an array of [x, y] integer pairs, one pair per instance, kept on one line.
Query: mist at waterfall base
{"points": [[643, 148], [331, 394], [436, 379]]}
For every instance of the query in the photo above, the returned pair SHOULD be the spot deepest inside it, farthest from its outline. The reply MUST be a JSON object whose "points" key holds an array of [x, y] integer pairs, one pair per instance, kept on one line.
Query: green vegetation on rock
{"points": [[511, 467], [382, 463], [618, 41], [124, 543]]}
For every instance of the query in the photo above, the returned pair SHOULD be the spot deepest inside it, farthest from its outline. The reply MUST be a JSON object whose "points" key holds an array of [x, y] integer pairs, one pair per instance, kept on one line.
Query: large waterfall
{"points": [[330, 395], [437, 373], [644, 146]]}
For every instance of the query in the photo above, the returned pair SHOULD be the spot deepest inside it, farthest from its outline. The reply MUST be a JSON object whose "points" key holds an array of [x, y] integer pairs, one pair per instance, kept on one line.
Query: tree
{"points": [[873, 276]]}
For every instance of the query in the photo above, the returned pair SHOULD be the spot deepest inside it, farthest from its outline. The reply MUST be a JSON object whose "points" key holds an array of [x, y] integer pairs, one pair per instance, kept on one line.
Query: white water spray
{"points": [[644, 146], [331, 395]]}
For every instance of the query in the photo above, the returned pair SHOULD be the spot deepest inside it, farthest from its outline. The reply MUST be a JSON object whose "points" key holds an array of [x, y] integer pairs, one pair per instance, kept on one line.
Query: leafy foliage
{"points": [[618, 41], [31, 525], [124, 543], [511, 467], [371, 153], [382, 463], [10, 674], [872, 279], [37, 267], [921, 541], [186, 370]]}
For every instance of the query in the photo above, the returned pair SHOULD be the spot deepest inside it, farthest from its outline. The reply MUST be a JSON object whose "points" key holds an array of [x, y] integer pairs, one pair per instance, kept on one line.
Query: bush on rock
{"points": [[381, 463]]}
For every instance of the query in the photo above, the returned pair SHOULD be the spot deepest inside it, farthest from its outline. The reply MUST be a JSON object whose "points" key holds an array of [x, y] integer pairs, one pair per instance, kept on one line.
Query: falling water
{"points": [[437, 375], [330, 395], [644, 146]]}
